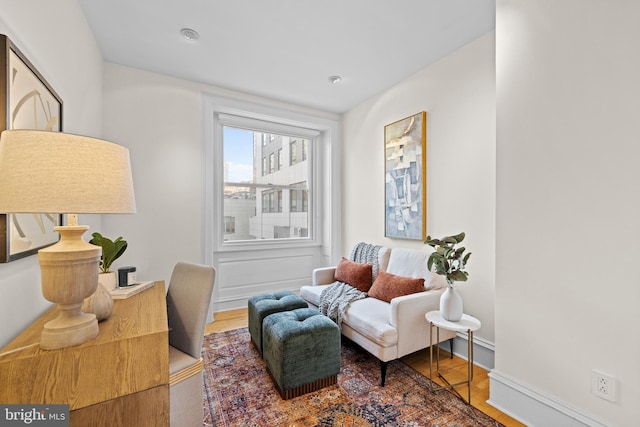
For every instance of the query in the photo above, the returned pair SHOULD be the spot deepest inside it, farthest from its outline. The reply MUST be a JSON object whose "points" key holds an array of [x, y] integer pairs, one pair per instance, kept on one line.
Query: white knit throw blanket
{"points": [[335, 298]]}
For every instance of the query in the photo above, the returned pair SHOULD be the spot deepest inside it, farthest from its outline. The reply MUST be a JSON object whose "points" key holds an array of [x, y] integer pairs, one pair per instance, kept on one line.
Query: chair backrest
{"points": [[188, 301]]}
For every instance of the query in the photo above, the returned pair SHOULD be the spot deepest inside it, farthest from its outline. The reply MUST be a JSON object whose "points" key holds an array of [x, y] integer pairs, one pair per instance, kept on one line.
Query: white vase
{"points": [[451, 304], [100, 303], [108, 280]]}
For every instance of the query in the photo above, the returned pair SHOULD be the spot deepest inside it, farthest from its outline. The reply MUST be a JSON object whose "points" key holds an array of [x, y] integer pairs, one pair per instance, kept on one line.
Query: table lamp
{"points": [[55, 172]]}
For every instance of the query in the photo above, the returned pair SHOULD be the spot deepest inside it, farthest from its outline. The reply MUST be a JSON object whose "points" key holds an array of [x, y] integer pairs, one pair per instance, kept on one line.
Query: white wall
{"points": [[568, 228], [458, 94], [56, 39], [159, 120]]}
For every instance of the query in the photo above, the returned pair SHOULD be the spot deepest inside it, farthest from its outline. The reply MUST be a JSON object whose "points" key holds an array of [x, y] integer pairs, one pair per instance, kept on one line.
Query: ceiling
{"points": [[286, 49]]}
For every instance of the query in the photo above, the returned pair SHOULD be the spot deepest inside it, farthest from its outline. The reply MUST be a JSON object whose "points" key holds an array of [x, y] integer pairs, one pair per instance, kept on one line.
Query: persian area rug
{"points": [[239, 392]]}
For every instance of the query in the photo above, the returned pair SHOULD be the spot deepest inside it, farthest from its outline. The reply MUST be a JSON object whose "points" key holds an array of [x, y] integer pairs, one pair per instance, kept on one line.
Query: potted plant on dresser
{"points": [[101, 302], [111, 251], [449, 260]]}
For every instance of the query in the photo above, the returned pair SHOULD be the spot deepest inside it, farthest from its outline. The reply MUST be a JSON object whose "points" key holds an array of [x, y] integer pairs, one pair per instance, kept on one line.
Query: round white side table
{"points": [[468, 324]]}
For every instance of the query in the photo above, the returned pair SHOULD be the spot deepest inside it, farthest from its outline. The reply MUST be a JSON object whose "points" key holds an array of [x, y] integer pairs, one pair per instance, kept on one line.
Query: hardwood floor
{"points": [[453, 369]]}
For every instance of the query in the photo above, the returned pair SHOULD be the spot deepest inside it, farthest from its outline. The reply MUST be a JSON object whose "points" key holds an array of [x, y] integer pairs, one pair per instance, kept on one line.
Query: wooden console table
{"points": [[119, 378]]}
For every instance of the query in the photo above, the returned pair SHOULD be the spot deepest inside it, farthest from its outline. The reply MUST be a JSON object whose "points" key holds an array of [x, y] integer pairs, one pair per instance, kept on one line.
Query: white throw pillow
{"points": [[413, 263]]}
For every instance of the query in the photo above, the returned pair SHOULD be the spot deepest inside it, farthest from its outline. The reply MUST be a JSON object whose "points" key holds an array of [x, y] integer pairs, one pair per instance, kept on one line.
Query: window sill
{"points": [[271, 245]]}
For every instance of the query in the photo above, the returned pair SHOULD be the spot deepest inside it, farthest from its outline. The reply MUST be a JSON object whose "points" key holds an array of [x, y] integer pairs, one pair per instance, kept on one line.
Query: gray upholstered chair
{"points": [[188, 300]]}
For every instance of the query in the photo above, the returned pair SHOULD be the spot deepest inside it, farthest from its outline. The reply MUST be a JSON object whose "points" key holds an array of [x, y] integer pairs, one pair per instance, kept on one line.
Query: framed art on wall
{"points": [[405, 148], [28, 102]]}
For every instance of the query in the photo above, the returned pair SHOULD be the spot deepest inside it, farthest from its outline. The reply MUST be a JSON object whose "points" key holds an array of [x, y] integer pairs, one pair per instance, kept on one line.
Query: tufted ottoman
{"points": [[301, 351], [260, 306]]}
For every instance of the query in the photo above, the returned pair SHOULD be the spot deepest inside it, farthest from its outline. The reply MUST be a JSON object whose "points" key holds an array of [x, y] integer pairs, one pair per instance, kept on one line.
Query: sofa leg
{"points": [[451, 345], [383, 372]]}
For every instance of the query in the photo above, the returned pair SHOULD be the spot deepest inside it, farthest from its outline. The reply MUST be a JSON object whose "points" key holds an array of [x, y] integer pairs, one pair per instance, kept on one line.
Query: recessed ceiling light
{"points": [[189, 34], [334, 80]]}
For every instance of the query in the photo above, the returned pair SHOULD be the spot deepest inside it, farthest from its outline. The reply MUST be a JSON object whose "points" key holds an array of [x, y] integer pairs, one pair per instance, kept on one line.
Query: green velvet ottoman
{"points": [[301, 351], [260, 306]]}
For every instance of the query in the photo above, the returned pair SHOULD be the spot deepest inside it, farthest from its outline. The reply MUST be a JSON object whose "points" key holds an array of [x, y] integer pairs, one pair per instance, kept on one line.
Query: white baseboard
{"points": [[534, 408]]}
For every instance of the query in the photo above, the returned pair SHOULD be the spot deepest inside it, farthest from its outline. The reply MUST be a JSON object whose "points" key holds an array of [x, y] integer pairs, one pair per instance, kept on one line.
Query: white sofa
{"points": [[389, 330]]}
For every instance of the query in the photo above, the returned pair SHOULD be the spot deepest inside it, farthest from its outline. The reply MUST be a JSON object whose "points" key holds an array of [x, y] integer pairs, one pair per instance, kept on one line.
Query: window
{"points": [[234, 179], [266, 199], [293, 154], [272, 201], [229, 225], [299, 200], [298, 150]]}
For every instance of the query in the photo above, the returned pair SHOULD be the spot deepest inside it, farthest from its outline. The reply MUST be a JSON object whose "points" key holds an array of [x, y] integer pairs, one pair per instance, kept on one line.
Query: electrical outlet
{"points": [[603, 385]]}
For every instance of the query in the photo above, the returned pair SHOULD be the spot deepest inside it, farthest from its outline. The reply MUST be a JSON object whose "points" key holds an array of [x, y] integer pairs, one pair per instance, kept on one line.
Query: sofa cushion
{"points": [[311, 294], [389, 286], [370, 318], [358, 275], [413, 263]]}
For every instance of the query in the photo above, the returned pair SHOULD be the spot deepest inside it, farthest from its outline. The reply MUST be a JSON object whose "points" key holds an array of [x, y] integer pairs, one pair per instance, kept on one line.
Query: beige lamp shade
{"points": [[57, 172]]}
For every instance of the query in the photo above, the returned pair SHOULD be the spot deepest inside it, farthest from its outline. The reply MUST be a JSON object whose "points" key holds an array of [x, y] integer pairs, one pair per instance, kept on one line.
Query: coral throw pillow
{"points": [[360, 276], [389, 286]]}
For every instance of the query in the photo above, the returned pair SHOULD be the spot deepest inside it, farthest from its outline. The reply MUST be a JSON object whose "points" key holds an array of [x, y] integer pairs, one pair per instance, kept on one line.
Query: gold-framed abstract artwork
{"points": [[405, 154], [28, 102]]}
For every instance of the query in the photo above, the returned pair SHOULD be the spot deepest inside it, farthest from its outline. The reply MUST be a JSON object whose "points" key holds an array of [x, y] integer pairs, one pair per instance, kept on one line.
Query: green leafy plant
{"points": [[447, 259], [111, 250]]}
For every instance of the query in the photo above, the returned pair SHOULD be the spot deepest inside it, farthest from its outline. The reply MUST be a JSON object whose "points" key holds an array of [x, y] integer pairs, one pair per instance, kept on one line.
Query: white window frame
{"points": [[252, 115]]}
